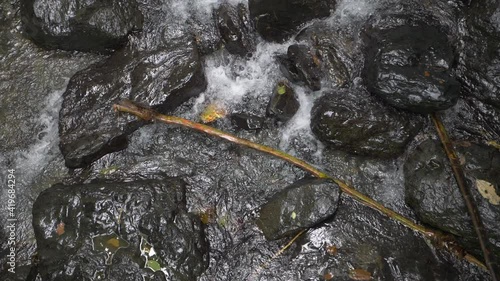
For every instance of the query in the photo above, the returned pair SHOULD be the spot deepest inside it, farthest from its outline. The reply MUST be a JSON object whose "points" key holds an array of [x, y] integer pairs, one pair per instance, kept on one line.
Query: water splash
{"points": [[231, 78], [45, 146]]}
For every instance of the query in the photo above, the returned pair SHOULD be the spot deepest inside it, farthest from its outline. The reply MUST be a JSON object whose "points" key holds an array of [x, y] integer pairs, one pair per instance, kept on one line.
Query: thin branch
{"points": [[439, 239], [459, 174]]}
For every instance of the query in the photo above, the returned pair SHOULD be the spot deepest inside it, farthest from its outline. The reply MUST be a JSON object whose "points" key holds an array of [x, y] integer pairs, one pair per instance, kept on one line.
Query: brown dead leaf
{"points": [[488, 191], [60, 229], [360, 275]]}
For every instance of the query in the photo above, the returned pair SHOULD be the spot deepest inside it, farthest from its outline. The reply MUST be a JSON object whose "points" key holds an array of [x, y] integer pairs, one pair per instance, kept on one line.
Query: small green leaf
{"points": [[281, 89], [154, 265], [294, 215]]}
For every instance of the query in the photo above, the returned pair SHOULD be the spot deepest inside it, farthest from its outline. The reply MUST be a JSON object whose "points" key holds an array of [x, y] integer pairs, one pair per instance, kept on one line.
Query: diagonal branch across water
{"points": [[439, 239]]}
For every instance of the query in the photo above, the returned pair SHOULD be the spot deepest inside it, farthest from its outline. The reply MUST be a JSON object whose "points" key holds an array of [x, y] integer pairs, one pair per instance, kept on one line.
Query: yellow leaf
{"points": [[113, 242], [494, 144], [213, 112], [488, 191]]}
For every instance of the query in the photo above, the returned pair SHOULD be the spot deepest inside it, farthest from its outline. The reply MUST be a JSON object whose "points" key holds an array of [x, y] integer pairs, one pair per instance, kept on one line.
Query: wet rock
{"points": [[283, 103], [84, 25], [302, 65], [479, 67], [381, 248], [353, 121], [472, 119], [432, 192], [336, 52], [97, 230], [235, 29], [278, 20], [247, 121], [409, 64], [162, 78], [301, 205]]}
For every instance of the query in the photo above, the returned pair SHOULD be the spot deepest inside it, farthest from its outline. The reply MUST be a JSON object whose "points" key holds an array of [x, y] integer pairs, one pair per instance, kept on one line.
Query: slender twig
{"points": [[459, 174], [439, 239]]}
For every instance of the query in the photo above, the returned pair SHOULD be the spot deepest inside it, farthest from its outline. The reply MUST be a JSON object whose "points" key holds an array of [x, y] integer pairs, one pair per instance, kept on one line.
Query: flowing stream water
{"points": [[233, 180]]}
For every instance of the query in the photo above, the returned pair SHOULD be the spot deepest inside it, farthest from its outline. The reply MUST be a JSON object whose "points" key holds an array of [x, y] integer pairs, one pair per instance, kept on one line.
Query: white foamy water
{"points": [[299, 126], [231, 78], [348, 11], [45, 146]]}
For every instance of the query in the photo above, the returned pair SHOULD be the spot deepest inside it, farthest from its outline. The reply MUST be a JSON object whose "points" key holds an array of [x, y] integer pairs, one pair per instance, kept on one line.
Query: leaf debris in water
{"points": [[488, 191], [213, 112], [360, 274], [60, 229], [153, 265]]}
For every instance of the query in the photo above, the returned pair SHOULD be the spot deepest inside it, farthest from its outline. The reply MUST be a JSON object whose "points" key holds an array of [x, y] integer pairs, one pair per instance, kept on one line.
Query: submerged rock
{"points": [[278, 20], [87, 25], [301, 205], [409, 64], [353, 121], [98, 231], [163, 78], [283, 103], [302, 65], [432, 192], [235, 29]]}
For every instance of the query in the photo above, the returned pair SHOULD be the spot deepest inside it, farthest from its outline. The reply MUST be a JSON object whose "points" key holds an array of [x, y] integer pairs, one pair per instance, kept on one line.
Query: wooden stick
{"points": [[439, 239], [459, 174]]}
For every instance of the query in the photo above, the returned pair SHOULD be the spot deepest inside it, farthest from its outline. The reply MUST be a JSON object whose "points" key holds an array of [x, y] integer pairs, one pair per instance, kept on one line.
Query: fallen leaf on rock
{"points": [[60, 229], [488, 191], [332, 250], [360, 274], [213, 112]]}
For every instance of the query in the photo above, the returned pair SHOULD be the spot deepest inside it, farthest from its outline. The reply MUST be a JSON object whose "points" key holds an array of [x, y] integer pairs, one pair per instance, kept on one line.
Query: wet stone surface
{"points": [[84, 25], [278, 20], [353, 121], [226, 185], [71, 222], [301, 205], [236, 29], [301, 66], [432, 192], [337, 56], [247, 121], [283, 103], [381, 248], [480, 65], [409, 64], [88, 126]]}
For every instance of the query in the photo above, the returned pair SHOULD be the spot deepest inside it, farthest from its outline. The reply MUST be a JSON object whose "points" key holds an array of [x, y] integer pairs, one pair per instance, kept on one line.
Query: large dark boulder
{"points": [[432, 192], [278, 20], [353, 121], [162, 78], [85, 25], [301, 205], [409, 63], [102, 230], [235, 29]]}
